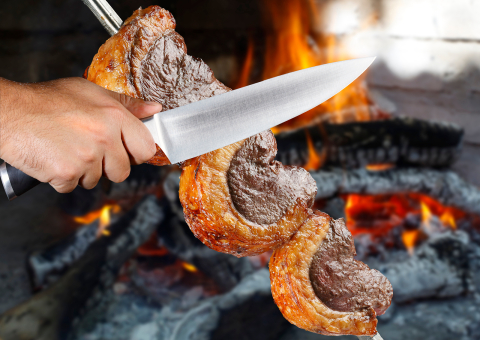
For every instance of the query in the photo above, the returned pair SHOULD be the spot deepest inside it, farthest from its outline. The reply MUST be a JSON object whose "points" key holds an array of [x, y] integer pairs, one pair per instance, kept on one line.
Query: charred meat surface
{"points": [[319, 287], [147, 59], [263, 189], [343, 283]]}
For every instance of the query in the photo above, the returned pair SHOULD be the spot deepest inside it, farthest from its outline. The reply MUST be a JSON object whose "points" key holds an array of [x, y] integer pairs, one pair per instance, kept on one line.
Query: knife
{"points": [[213, 123]]}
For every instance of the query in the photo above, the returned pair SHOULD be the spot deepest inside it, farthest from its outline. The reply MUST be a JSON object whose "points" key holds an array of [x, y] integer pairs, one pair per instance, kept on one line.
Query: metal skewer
{"points": [[105, 14], [375, 337], [112, 23]]}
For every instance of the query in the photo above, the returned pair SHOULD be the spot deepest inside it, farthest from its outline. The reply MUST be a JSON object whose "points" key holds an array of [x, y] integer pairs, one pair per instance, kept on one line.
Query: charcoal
{"points": [[402, 141], [439, 268], [48, 265], [234, 315], [444, 186], [175, 235], [54, 312]]}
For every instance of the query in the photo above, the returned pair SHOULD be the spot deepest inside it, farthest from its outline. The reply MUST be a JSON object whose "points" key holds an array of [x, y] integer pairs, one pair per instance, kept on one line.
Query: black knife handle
{"points": [[16, 182]]}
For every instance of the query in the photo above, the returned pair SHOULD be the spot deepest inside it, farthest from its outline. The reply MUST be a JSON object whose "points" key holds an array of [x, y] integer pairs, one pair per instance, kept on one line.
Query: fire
{"points": [[293, 43], [378, 214], [379, 167], [410, 238], [315, 160], [103, 215], [189, 267]]}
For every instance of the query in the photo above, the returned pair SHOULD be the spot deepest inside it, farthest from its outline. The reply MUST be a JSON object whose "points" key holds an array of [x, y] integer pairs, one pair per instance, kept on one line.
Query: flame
{"points": [[103, 215], [426, 214], [292, 43], [448, 219], [189, 267], [315, 160], [410, 238], [378, 214], [247, 66], [379, 167]]}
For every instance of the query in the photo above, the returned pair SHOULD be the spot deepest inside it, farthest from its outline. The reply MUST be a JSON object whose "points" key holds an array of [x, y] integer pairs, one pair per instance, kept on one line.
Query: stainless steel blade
{"points": [[207, 125]]}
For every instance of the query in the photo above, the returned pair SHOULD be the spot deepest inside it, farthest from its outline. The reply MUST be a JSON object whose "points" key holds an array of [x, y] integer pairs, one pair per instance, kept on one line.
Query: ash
{"points": [[132, 317], [435, 297]]}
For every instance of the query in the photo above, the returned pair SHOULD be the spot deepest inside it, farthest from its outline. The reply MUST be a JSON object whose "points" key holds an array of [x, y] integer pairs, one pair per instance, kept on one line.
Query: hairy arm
{"points": [[70, 132]]}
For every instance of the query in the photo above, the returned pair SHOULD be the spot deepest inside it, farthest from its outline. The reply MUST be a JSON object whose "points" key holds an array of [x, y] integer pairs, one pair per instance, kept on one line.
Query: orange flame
{"points": [[426, 214], [409, 238], [379, 167], [103, 215], [292, 43], [378, 214], [189, 267], [448, 219], [315, 160]]}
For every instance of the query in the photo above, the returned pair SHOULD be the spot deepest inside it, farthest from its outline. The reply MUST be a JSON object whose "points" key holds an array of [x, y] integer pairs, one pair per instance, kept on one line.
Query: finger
{"points": [[92, 176], [116, 164], [65, 183], [139, 108], [138, 141]]}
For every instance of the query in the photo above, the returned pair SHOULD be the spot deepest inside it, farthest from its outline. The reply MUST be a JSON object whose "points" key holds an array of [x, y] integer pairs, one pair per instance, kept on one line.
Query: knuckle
{"points": [[121, 176], [87, 155], [91, 184], [117, 111], [66, 172], [64, 188]]}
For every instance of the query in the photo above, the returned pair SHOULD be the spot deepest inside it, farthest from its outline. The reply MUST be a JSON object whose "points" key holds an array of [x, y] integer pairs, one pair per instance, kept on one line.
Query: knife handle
{"points": [[16, 182]]}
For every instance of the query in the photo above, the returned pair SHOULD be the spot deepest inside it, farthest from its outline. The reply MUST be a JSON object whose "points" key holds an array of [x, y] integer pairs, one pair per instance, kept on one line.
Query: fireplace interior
{"points": [[397, 154]]}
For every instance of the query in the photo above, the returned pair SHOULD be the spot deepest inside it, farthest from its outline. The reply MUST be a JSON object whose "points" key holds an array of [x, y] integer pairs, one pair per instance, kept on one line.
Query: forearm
{"points": [[14, 98]]}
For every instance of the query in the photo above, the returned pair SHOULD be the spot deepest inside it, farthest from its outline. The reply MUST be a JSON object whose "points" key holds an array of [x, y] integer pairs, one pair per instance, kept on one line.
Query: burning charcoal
{"points": [[50, 264], [439, 268], [51, 314], [233, 315], [402, 141], [444, 186], [224, 269]]}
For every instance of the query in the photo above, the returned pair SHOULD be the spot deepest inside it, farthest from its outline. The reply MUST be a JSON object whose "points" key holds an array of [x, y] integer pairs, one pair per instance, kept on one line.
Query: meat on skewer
{"points": [[318, 286], [237, 199]]}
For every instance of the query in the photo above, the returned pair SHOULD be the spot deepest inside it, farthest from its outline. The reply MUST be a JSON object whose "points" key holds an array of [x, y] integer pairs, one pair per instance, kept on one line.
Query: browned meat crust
{"points": [[294, 293], [211, 212], [147, 59], [237, 199]]}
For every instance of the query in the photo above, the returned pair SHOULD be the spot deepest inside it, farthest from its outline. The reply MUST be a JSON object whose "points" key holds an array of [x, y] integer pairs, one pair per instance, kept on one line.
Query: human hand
{"points": [[70, 132]]}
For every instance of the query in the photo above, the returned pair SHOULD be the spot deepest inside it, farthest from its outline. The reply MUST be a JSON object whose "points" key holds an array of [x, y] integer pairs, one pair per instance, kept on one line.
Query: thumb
{"points": [[139, 108]]}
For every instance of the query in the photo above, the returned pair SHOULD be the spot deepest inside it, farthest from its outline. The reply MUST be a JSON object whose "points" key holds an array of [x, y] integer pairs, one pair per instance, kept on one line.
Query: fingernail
{"points": [[153, 103]]}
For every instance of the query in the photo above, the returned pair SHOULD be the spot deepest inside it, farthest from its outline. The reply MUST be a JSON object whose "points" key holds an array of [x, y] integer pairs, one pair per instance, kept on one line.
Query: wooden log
{"points": [[53, 313], [402, 141]]}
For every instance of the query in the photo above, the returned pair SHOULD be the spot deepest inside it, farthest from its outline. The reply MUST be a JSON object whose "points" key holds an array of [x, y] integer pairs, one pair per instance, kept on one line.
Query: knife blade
{"points": [[168, 128], [195, 129]]}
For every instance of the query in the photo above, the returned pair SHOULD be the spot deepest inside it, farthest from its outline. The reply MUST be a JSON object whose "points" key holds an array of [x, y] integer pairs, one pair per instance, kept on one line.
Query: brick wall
{"points": [[428, 59]]}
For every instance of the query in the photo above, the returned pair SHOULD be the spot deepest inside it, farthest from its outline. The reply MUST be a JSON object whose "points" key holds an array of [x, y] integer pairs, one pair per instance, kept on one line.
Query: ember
{"points": [[377, 215]]}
